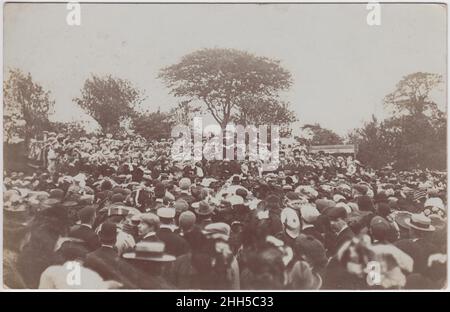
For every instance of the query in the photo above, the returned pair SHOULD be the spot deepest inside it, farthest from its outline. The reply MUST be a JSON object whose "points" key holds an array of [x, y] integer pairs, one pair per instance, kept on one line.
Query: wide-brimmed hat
{"points": [[149, 251], [401, 217], [49, 203], [204, 208], [420, 222]]}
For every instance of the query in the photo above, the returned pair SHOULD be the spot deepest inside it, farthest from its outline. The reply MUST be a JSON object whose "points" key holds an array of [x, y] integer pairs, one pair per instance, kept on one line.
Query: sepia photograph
{"points": [[224, 146]]}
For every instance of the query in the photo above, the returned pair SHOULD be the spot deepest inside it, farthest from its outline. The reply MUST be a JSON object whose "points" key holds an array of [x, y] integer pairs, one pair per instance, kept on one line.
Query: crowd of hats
{"points": [[319, 219]]}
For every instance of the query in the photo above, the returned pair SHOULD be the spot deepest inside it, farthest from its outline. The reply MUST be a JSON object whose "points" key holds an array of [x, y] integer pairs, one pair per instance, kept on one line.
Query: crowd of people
{"points": [[104, 213]]}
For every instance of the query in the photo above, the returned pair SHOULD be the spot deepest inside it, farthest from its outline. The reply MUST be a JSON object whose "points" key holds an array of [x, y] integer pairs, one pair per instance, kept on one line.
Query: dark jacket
{"points": [[107, 263], [314, 233], [86, 234], [175, 244], [346, 235]]}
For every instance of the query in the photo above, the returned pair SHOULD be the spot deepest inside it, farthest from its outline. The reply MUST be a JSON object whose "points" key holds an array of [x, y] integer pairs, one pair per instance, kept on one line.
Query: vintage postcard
{"points": [[224, 146]]}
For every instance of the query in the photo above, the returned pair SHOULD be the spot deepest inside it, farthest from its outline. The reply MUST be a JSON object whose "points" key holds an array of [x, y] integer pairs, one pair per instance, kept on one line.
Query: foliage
{"points": [[266, 112], [322, 136], [26, 107], [109, 100], [223, 79], [412, 94], [153, 126]]}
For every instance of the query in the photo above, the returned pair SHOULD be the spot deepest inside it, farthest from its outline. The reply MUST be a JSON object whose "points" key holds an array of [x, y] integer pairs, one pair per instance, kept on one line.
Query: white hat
{"points": [[167, 213], [347, 208], [79, 177], [235, 200], [290, 220], [420, 222], [338, 197], [309, 213], [217, 230], [434, 202], [307, 190]]}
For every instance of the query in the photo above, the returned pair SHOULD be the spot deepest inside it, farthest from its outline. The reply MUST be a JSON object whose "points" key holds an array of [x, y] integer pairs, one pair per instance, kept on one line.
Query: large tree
{"points": [[375, 143], [223, 79], [109, 100], [26, 106], [412, 94], [153, 126], [254, 111], [415, 136]]}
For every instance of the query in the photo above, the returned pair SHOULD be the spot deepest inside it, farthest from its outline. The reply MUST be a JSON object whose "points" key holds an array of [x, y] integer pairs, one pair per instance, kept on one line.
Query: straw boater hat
{"points": [[420, 222], [149, 251]]}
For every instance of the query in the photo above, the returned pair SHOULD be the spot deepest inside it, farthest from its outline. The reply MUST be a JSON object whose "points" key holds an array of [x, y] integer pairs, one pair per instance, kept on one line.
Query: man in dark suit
{"points": [[175, 244], [106, 261], [84, 230], [342, 231]]}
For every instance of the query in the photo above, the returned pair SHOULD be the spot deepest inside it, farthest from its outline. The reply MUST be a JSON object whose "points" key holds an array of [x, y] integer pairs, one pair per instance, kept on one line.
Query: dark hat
{"points": [[108, 233], [241, 192], [336, 213], [204, 208], [365, 203], [312, 248], [324, 204], [149, 251], [87, 213], [380, 228], [360, 188], [160, 190], [117, 198], [381, 198], [289, 180], [383, 209], [236, 179], [273, 201], [293, 196], [72, 248], [56, 193]]}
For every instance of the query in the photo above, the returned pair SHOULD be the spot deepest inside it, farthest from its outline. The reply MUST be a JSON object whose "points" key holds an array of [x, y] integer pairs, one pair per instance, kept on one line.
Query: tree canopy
{"points": [[322, 136], [412, 94], [225, 79], [109, 100], [26, 106], [414, 137]]}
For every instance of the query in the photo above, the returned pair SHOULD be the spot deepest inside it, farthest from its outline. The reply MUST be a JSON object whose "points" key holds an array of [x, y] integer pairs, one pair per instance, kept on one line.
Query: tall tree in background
{"points": [[254, 111], [153, 126], [412, 94], [109, 100], [415, 136], [222, 79], [375, 143], [26, 107]]}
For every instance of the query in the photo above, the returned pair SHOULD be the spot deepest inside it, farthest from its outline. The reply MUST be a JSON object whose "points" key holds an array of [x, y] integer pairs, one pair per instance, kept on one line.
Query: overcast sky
{"points": [[342, 68]]}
